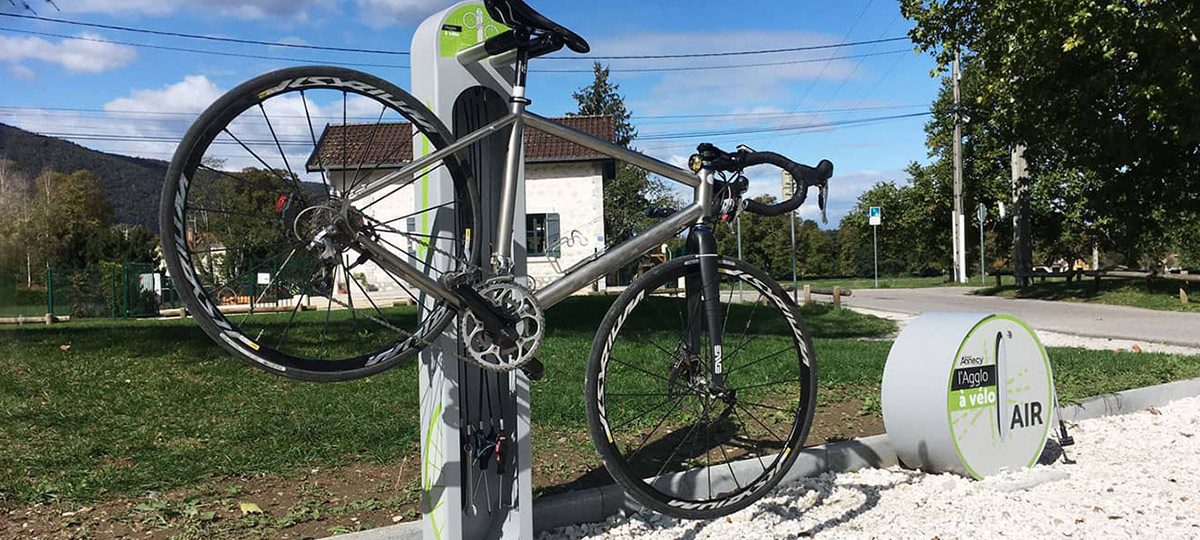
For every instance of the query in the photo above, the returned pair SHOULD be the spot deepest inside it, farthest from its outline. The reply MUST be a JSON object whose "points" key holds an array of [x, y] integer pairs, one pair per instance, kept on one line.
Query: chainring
{"points": [[478, 345]]}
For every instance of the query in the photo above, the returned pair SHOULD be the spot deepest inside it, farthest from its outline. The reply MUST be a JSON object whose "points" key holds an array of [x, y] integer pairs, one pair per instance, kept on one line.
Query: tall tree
{"points": [[1103, 87], [68, 210], [632, 191]]}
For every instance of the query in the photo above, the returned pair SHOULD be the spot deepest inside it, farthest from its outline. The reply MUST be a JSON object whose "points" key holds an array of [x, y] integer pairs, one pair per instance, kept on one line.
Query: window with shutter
{"points": [[541, 235], [552, 241]]}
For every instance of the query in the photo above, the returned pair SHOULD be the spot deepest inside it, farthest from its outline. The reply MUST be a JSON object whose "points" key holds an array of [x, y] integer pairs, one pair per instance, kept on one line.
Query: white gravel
{"points": [[1135, 476]]}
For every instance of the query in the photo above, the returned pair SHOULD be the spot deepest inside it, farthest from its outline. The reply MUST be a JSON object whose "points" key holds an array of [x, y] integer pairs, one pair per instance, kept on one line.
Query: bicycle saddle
{"points": [[516, 14]]}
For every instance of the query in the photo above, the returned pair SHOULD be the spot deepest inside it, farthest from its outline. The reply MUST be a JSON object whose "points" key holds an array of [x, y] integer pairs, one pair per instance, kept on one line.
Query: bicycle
{"points": [[736, 414]]}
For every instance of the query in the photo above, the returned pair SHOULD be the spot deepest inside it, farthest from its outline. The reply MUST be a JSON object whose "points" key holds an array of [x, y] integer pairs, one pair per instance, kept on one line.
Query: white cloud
{"points": [[381, 13], [76, 55], [19, 71], [192, 94]]}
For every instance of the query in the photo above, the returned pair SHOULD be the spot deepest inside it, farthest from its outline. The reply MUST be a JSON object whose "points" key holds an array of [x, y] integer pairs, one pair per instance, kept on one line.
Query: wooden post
{"points": [[1183, 293], [807, 294], [837, 297]]}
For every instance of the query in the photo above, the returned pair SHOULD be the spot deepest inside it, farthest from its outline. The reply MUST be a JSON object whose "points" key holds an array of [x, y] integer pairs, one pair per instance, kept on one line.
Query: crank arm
{"points": [[499, 326]]}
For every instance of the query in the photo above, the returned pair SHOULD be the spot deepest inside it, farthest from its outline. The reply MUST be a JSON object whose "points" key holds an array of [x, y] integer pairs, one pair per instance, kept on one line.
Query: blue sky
{"points": [[38, 72]]}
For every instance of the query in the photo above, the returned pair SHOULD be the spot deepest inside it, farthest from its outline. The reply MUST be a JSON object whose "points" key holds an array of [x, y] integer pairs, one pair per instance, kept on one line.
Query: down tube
{"points": [[618, 256]]}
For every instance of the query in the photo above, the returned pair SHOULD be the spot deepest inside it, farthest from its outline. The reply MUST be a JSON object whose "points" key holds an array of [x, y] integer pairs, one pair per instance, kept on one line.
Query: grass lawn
{"points": [[1162, 294], [132, 407]]}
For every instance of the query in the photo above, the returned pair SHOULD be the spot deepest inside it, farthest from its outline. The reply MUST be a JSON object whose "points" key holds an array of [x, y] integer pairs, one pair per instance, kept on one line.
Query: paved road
{"points": [[1094, 320]]}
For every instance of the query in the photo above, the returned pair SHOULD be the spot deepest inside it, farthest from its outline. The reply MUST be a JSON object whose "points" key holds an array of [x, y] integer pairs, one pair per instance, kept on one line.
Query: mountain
{"points": [[131, 185]]}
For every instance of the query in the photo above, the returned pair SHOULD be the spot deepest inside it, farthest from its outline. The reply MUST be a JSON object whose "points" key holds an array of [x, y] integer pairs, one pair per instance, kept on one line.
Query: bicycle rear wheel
{"points": [[259, 228], [674, 443]]}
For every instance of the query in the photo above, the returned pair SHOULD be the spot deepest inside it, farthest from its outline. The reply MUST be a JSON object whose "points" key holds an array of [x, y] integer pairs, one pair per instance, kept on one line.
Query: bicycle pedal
{"points": [[534, 369]]}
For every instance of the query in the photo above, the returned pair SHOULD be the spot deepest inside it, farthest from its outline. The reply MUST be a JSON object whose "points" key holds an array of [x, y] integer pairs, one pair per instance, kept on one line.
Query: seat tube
{"points": [[502, 261], [704, 300]]}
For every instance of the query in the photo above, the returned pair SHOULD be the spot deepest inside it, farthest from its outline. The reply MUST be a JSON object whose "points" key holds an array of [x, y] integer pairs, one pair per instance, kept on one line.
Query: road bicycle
{"points": [[276, 199]]}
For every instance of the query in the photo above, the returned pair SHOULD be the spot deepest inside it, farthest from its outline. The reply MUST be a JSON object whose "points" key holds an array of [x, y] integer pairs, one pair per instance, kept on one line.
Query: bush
{"points": [[30, 297]]}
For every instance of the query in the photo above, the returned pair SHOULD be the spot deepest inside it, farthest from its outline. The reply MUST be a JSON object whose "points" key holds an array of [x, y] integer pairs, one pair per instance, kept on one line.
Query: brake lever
{"points": [[822, 197]]}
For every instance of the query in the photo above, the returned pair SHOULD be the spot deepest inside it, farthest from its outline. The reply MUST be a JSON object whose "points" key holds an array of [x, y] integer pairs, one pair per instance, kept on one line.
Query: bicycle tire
{"points": [[631, 474], [382, 352]]}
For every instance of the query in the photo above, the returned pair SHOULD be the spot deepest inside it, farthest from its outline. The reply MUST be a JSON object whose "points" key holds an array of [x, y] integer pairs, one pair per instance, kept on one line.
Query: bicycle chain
{"points": [[409, 335]]}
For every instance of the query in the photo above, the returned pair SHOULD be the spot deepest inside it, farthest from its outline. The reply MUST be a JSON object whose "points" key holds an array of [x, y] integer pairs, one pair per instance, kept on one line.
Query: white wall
{"points": [[574, 191]]}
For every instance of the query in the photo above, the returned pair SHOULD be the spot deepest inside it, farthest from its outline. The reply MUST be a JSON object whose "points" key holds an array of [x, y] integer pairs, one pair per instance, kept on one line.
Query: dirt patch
{"points": [[316, 503], [850, 418]]}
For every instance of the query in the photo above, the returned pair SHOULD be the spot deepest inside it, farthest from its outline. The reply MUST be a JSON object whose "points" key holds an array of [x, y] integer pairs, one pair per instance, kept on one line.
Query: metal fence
{"points": [[108, 290]]}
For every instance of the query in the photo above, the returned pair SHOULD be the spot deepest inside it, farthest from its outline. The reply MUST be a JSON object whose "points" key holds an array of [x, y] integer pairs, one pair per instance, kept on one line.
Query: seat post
{"points": [[502, 255]]}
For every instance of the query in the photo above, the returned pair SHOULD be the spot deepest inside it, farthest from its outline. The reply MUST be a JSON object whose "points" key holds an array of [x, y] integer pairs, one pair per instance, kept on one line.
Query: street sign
{"points": [[982, 212], [876, 216]]}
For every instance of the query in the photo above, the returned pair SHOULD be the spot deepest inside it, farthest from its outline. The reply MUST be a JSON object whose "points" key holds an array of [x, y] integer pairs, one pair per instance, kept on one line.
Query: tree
{"points": [[632, 191], [122, 244], [15, 215], [766, 241], [1103, 88], [68, 210]]}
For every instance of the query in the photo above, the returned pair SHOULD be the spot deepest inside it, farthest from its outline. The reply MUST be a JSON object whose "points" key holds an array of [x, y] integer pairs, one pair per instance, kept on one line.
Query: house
{"points": [[564, 192]]}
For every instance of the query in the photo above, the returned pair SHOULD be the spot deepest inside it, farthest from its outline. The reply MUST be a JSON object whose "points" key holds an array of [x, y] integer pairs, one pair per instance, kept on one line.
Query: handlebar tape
{"points": [[804, 176]]}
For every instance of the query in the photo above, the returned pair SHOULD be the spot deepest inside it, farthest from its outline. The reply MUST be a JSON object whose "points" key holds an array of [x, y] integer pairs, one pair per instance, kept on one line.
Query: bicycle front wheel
{"points": [[263, 238], [678, 443]]}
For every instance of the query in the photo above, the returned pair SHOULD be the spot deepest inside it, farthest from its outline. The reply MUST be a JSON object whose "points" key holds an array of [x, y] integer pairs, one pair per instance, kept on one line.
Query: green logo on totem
{"points": [[465, 27], [1000, 396]]}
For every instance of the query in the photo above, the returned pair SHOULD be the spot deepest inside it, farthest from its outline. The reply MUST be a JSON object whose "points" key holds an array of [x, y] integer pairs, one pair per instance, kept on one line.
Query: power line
{"points": [[854, 25], [857, 66], [395, 52], [732, 53], [814, 127], [396, 66], [126, 137], [197, 36], [730, 66], [776, 113], [73, 114], [198, 51]]}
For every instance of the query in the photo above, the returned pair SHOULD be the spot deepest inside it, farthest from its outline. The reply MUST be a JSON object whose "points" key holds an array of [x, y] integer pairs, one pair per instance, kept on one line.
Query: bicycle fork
{"points": [[703, 292]]}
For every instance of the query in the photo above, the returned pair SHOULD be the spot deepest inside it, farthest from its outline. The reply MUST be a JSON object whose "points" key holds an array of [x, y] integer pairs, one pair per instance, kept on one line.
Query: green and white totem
{"points": [[970, 393]]}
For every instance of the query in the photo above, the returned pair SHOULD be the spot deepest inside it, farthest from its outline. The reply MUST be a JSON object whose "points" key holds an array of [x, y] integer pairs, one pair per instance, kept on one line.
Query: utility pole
{"points": [[795, 283], [789, 189], [959, 220], [739, 246]]}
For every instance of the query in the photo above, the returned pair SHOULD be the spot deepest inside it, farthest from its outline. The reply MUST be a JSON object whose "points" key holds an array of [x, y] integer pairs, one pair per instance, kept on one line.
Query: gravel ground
{"points": [[1135, 476]]}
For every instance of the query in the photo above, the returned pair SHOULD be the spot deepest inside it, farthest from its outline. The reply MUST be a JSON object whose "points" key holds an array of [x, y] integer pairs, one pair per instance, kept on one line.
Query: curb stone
{"points": [[597, 504]]}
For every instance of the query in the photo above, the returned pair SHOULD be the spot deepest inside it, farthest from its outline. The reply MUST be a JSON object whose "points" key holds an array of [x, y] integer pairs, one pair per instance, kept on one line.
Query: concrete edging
{"points": [[597, 504]]}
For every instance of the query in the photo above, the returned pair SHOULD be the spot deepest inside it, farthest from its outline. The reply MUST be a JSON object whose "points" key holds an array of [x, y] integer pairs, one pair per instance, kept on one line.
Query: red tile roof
{"points": [[391, 144]]}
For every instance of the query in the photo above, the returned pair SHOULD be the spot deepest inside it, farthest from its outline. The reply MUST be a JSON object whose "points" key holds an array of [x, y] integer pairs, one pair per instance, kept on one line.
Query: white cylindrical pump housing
{"points": [[969, 393]]}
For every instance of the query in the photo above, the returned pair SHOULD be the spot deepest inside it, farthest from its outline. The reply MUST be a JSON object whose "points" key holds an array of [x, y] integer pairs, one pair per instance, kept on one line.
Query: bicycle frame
{"points": [[587, 271]]}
